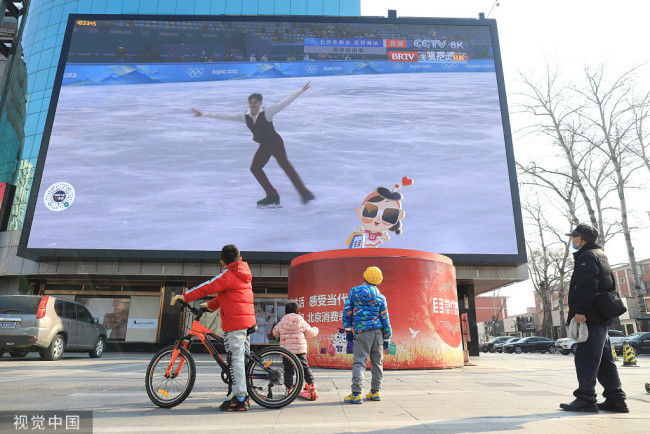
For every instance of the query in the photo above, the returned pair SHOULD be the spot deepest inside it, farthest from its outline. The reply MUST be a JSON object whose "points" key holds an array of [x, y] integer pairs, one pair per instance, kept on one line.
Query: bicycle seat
{"points": [[251, 330]]}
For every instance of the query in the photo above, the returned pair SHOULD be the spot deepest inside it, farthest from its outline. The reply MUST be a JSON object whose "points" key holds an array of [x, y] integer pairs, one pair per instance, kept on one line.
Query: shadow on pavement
{"points": [[483, 424]]}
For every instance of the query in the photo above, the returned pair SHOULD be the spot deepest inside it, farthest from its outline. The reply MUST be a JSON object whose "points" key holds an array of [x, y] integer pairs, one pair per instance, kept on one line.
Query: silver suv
{"points": [[48, 325]]}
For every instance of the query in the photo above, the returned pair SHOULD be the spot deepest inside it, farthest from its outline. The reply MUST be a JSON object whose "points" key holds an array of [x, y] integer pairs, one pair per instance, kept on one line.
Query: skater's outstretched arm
{"points": [[238, 117], [273, 109]]}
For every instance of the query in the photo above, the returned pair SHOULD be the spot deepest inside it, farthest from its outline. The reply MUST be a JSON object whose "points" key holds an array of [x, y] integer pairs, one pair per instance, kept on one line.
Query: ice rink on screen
{"points": [[149, 175]]}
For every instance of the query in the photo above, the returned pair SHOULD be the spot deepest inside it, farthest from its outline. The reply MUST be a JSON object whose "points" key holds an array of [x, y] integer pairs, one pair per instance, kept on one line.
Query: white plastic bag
{"points": [[578, 332]]}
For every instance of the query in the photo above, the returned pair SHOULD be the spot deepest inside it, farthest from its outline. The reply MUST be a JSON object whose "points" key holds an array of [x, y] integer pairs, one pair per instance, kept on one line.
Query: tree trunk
{"points": [[636, 280], [547, 321]]}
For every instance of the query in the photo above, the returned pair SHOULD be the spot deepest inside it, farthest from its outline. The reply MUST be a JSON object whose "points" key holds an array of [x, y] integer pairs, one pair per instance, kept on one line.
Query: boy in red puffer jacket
{"points": [[292, 330], [235, 297]]}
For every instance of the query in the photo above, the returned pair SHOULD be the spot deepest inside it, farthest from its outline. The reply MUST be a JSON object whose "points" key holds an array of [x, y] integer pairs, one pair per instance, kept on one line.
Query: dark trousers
{"points": [[288, 371], [274, 148], [593, 361]]}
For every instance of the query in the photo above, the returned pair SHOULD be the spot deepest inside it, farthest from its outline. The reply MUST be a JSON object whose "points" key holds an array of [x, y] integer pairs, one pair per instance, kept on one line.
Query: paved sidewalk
{"points": [[501, 392]]}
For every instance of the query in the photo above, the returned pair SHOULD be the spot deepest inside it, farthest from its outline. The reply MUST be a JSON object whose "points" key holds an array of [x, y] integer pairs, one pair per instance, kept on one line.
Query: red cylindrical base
{"points": [[420, 289]]}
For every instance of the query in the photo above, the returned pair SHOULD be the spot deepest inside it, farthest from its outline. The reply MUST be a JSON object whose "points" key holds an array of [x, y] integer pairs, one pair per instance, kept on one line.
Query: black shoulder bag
{"points": [[609, 303]]}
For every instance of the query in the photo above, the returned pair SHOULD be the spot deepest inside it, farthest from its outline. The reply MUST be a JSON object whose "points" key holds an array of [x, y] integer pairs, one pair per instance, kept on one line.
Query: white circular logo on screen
{"points": [[195, 72], [59, 196]]}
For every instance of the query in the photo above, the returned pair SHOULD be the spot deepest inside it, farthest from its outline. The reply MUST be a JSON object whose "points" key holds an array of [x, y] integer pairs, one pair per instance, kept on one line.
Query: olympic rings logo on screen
{"points": [[195, 72], [448, 66], [398, 66], [311, 68]]}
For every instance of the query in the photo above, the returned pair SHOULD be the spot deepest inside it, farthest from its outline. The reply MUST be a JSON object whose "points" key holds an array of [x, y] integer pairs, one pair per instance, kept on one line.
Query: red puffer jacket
{"points": [[234, 296]]}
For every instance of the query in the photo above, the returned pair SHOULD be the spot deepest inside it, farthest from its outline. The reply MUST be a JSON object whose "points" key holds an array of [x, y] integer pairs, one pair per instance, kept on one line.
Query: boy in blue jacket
{"points": [[365, 319]]}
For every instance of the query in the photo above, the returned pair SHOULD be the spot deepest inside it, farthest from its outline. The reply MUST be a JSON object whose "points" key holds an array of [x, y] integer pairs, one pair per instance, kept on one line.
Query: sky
{"points": [[570, 34]]}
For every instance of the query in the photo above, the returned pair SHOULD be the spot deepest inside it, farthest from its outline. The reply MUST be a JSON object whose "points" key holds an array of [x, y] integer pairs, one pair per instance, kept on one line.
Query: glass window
{"points": [[330, 7], [50, 79], [268, 312], [98, 7], [41, 120], [249, 7], [64, 309], [115, 6], [266, 7], [83, 314], [315, 7], [130, 7], [298, 7], [55, 15], [44, 58], [202, 7], [185, 7], [40, 79], [19, 304], [83, 6], [233, 7], [166, 7], [283, 7], [148, 6], [218, 7], [350, 7]]}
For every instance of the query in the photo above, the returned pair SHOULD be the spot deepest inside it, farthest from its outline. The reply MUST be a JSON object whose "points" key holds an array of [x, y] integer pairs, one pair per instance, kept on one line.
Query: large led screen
{"points": [[182, 135]]}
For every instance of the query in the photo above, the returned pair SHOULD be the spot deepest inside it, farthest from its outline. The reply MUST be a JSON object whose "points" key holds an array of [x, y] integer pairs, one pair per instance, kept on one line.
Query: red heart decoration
{"points": [[406, 181], [396, 185]]}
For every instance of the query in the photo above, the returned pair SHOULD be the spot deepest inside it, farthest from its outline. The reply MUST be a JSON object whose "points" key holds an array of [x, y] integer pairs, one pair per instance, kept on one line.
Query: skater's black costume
{"points": [[270, 145]]}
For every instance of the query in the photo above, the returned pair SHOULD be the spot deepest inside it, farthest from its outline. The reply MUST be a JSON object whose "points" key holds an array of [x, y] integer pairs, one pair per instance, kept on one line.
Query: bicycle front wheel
{"points": [[169, 380], [275, 377]]}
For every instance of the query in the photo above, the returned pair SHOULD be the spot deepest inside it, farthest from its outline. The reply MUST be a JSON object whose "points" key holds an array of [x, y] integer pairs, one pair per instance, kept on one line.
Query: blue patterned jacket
{"points": [[366, 309]]}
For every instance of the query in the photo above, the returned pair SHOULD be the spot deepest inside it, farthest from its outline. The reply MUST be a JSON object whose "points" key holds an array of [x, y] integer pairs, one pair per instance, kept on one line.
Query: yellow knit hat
{"points": [[373, 275]]}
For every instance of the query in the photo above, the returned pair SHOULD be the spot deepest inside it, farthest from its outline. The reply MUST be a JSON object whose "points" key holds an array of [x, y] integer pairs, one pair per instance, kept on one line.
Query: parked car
{"points": [[640, 342], [498, 347], [616, 338], [530, 344], [48, 325], [566, 346], [489, 345]]}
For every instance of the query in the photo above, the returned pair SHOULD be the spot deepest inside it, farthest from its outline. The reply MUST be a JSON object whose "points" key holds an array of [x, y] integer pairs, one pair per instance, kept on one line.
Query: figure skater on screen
{"points": [[259, 120], [380, 212]]}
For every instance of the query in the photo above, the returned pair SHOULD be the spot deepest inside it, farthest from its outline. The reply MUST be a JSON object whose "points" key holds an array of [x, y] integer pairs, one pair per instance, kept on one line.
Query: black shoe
{"points": [[615, 405], [235, 404], [270, 200], [580, 405], [306, 197]]}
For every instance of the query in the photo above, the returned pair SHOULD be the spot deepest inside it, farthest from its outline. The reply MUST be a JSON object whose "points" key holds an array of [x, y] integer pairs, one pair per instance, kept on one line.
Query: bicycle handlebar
{"points": [[198, 313]]}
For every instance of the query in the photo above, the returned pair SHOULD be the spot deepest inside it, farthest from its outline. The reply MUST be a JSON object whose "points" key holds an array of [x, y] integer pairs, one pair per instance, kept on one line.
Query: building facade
{"points": [[491, 308], [131, 292]]}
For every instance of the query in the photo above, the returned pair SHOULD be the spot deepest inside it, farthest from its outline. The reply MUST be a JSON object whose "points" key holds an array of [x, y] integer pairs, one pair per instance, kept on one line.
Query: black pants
{"points": [[274, 148], [593, 361], [288, 371]]}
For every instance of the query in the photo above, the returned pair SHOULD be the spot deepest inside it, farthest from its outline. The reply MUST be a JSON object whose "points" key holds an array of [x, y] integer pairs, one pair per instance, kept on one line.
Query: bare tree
{"points": [[610, 128], [543, 273], [562, 261], [557, 119], [641, 146]]}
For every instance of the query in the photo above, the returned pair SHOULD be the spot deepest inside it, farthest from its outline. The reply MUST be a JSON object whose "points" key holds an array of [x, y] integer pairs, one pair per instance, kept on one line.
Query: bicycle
{"points": [[171, 373]]}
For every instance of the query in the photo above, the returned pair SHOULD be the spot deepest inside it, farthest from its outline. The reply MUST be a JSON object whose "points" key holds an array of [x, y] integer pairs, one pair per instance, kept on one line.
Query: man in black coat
{"points": [[593, 358]]}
